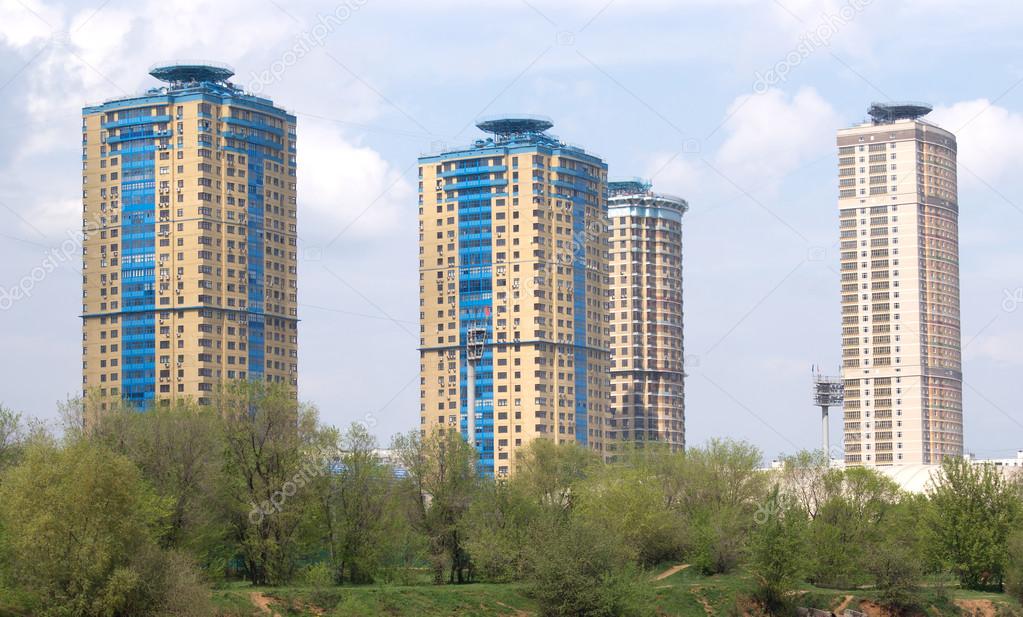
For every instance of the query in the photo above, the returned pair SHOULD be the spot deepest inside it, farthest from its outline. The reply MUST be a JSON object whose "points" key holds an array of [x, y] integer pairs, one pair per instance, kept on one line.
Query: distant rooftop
{"points": [[635, 186], [505, 126], [885, 113], [638, 192]]}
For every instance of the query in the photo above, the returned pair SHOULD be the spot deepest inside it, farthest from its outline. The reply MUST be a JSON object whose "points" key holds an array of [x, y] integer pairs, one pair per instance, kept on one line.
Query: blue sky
{"points": [[677, 91]]}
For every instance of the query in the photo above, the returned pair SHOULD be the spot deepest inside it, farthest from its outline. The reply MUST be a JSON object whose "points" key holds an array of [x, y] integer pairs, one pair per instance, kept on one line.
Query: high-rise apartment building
{"points": [[647, 371], [901, 355], [513, 258], [189, 266]]}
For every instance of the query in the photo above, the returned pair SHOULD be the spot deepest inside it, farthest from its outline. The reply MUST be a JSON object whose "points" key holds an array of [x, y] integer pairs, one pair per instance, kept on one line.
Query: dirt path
{"points": [[844, 605], [707, 608], [262, 600], [670, 571], [985, 608]]}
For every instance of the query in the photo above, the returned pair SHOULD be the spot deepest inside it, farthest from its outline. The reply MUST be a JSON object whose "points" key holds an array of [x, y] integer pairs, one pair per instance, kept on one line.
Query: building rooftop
{"points": [[885, 113], [511, 131], [192, 73], [638, 192]]}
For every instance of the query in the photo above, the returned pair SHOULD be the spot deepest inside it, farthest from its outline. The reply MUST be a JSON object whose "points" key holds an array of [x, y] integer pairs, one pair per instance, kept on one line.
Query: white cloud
{"points": [[1004, 348], [23, 23], [676, 174], [988, 137], [341, 182], [770, 135]]}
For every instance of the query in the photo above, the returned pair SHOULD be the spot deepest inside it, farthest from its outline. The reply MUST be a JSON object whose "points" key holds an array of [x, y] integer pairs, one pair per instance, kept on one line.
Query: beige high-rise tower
{"points": [[901, 342], [512, 292], [647, 373], [189, 214]]}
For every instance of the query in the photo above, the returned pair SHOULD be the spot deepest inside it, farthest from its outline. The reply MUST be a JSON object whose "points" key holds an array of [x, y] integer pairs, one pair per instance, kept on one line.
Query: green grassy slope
{"points": [[683, 594]]}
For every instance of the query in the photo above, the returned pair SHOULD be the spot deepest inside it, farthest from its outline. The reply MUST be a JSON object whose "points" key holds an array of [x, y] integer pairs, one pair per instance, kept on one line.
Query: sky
{"points": [[731, 104]]}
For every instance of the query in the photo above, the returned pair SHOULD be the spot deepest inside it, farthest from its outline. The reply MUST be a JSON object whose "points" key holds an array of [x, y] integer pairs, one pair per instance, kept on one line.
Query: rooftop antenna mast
{"points": [[827, 392]]}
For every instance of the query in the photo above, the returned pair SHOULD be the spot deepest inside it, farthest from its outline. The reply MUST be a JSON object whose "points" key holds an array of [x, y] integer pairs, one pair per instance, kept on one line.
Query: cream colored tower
{"points": [[513, 253], [647, 373], [901, 342], [189, 215]]}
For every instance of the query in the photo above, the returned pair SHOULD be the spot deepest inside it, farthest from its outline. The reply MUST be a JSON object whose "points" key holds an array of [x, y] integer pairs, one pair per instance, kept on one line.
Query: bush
{"points": [[777, 553], [318, 575], [1014, 566], [577, 570], [718, 539], [82, 528]]}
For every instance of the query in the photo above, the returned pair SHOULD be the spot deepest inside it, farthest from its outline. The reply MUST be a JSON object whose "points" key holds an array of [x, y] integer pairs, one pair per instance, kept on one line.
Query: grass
{"points": [[684, 594], [476, 600]]}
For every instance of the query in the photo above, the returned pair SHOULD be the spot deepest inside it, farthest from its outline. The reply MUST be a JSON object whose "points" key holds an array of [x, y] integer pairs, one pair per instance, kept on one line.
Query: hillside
{"points": [[674, 592]]}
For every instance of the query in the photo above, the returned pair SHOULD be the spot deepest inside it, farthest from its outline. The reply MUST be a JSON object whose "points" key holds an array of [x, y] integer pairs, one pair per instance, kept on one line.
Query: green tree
{"points": [[442, 483], [180, 451], [357, 506], [81, 528], [974, 509], [777, 552], [724, 489], [894, 559], [10, 437], [497, 529], [1014, 566], [577, 568], [847, 524], [551, 471], [271, 457], [623, 499]]}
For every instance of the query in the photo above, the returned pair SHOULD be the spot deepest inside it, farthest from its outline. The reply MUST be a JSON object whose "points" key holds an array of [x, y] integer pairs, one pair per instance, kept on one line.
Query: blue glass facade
{"points": [[475, 294], [139, 131], [531, 238], [138, 253]]}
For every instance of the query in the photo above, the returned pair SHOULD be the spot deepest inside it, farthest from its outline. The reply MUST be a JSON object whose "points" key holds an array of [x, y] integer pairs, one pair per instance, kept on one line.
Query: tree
{"points": [[441, 485], [1014, 566], [179, 450], [551, 471], [81, 530], [777, 552], [974, 509], [848, 524], [270, 459], [808, 477], [497, 529], [357, 506], [624, 500], [10, 436], [894, 559], [577, 568], [724, 488]]}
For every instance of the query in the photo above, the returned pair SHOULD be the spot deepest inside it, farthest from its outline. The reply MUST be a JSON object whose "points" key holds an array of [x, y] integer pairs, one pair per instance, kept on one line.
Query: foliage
{"points": [[777, 552], [179, 451], [578, 569], [621, 500], [723, 491], [441, 485], [357, 506], [82, 528], [1014, 565], [269, 461], [974, 508], [497, 530], [893, 560]]}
